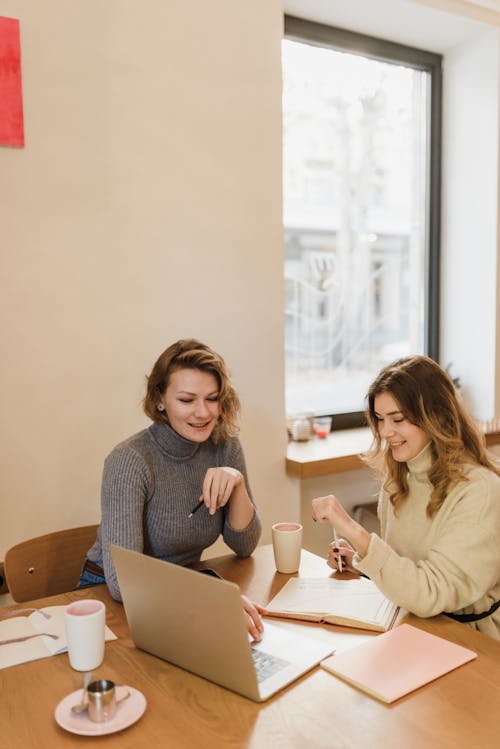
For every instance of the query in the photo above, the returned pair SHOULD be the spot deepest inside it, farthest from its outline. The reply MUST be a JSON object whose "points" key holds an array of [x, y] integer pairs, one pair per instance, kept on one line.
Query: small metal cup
{"points": [[102, 700]]}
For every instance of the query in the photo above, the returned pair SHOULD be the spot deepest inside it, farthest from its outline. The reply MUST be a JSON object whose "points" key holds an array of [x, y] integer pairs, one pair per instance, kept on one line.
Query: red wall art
{"points": [[11, 98]]}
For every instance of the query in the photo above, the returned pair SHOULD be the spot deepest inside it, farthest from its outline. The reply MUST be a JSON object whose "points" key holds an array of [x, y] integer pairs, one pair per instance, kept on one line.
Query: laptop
{"points": [[197, 622]]}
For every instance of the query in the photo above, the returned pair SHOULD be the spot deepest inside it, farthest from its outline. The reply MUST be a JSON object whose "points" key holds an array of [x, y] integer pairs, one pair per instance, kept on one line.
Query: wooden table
{"points": [[317, 711]]}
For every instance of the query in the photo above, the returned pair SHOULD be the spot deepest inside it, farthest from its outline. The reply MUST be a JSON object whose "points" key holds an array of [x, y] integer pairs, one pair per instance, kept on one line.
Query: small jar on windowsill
{"points": [[322, 426], [301, 428]]}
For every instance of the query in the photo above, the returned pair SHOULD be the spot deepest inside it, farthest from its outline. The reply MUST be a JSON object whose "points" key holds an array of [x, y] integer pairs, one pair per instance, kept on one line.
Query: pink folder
{"points": [[395, 663]]}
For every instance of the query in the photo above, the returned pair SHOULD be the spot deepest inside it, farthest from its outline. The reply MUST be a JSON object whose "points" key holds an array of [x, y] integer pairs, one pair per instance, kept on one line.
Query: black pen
{"points": [[195, 509], [339, 558]]}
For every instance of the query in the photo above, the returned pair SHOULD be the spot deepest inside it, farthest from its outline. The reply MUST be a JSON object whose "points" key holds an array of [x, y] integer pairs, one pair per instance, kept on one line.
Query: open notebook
{"points": [[350, 603], [39, 635], [395, 663]]}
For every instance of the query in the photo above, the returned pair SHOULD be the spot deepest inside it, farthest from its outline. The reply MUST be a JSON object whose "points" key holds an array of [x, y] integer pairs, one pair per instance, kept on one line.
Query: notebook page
{"points": [[358, 599]]}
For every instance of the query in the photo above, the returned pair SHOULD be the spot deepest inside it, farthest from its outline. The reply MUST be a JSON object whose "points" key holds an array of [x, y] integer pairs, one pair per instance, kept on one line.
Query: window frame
{"points": [[322, 35]]}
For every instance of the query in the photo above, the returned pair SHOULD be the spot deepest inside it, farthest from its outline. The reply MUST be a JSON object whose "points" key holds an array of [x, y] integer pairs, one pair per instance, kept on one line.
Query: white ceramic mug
{"points": [[287, 546], [85, 621]]}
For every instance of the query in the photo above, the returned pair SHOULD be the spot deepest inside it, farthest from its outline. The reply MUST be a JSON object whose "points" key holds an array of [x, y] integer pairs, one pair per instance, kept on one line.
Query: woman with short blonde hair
{"points": [[189, 353], [172, 489]]}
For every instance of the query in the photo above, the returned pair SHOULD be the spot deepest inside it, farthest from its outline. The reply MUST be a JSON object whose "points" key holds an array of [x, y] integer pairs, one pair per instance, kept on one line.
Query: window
{"points": [[361, 133]]}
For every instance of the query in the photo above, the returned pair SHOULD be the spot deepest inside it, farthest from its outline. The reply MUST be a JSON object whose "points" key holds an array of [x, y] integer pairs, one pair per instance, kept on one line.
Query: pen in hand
{"points": [[195, 509], [339, 561]]}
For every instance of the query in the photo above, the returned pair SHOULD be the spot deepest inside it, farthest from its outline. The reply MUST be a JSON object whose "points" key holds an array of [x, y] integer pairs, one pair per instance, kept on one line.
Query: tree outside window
{"points": [[357, 219]]}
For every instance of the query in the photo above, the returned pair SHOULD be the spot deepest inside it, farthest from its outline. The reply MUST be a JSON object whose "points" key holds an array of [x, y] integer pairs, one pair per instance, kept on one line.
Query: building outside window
{"points": [[361, 134]]}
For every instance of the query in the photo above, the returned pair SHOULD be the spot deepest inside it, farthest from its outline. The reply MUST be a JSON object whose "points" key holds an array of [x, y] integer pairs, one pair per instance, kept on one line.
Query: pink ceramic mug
{"points": [[287, 546]]}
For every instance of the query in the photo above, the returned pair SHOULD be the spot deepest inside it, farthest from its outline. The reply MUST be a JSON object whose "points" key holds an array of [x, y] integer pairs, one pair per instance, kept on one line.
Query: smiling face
{"points": [[405, 439], [191, 402]]}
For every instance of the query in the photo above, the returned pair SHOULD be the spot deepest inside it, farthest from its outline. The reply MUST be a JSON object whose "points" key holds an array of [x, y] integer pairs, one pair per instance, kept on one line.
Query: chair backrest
{"points": [[48, 565]]}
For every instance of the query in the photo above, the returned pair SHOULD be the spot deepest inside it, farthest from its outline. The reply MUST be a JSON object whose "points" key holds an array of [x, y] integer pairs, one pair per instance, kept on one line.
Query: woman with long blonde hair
{"points": [[439, 508]]}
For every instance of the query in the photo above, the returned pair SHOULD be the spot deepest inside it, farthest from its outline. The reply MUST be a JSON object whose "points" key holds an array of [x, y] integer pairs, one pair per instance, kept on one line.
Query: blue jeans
{"points": [[88, 578]]}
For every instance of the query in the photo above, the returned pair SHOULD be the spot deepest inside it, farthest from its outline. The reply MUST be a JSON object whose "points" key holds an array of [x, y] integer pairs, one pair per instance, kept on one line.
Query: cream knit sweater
{"points": [[448, 563]]}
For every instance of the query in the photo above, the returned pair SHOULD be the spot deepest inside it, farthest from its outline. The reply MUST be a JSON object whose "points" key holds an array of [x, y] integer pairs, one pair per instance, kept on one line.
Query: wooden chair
{"points": [[48, 565]]}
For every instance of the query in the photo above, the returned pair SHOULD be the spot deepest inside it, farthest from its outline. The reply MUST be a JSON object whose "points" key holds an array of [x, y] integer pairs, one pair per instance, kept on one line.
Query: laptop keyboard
{"points": [[267, 665]]}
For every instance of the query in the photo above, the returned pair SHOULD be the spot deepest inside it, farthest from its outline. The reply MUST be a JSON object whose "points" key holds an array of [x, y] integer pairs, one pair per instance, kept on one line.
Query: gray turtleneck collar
{"points": [[171, 443]]}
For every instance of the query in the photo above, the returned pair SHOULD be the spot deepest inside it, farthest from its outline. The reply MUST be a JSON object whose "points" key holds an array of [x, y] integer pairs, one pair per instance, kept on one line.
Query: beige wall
{"points": [[145, 206], [469, 219]]}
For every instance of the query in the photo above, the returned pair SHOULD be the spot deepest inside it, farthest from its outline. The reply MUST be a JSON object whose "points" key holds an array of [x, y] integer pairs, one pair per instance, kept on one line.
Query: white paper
{"points": [[36, 647]]}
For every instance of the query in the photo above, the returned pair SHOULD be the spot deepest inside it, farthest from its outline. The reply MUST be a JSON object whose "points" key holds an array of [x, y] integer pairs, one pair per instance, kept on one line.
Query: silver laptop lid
{"points": [[186, 618]]}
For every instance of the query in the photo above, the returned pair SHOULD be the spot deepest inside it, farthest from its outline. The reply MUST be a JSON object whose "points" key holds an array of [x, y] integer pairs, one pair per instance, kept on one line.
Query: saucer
{"points": [[127, 713]]}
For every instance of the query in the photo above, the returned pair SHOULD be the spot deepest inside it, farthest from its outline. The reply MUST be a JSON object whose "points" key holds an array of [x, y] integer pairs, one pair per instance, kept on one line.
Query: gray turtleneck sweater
{"points": [[151, 482]]}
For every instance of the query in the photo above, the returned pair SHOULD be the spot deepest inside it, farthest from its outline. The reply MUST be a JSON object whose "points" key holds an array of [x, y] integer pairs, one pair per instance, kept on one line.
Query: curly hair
{"points": [[188, 353], [428, 398]]}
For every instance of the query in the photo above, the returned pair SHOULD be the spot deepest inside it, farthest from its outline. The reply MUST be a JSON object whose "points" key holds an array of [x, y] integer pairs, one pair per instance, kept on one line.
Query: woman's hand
{"points": [[329, 510], [218, 486], [341, 549], [252, 612]]}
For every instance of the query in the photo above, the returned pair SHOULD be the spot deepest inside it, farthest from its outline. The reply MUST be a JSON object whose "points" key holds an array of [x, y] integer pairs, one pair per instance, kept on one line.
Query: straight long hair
{"points": [[427, 397]]}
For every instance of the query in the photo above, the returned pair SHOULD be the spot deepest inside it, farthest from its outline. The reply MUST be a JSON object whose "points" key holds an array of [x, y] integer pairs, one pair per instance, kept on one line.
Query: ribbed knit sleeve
{"points": [[242, 542], [125, 486]]}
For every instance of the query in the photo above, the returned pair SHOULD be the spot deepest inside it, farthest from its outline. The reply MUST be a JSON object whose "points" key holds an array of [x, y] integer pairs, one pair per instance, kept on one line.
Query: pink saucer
{"points": [[129, 711]]}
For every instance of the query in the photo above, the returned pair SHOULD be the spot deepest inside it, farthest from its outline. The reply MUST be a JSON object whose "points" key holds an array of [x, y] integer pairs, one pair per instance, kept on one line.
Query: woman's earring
{"points": [[160, 407]]}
